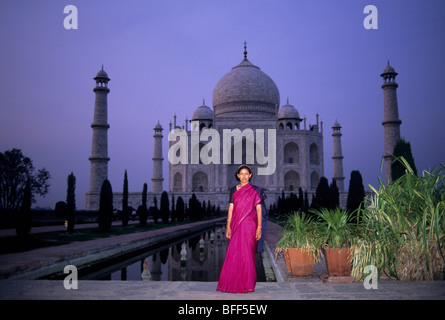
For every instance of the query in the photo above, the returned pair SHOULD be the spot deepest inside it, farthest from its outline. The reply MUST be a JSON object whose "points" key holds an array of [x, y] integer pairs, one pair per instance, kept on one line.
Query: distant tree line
{"points": [[20, 182], [180, 210], [176, 210], [326, 196]]}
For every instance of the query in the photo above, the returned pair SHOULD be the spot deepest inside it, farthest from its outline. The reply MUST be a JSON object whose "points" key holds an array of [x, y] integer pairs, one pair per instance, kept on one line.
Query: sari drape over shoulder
{"points": [[238, 274]]}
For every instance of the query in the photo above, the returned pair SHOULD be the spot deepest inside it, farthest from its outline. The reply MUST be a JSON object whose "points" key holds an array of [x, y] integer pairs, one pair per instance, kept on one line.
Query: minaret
{"points": [[99, 147], [391, 121], [157, 179], [337, 157]]}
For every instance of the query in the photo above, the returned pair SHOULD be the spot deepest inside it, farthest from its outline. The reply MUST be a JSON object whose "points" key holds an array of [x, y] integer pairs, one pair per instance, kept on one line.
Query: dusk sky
{"points": [[165, 57]]}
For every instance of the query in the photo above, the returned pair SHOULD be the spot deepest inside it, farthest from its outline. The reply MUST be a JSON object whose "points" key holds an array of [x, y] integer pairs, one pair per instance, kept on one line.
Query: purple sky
{"points": [[164, 57]]}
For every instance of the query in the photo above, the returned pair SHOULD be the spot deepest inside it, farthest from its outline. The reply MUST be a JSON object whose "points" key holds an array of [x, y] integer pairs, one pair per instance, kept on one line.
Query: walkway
{"points": [[285, 288]]}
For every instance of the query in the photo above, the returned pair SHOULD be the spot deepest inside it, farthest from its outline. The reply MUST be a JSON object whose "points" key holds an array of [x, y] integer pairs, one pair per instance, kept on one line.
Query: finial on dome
{"points": [[245, 50], [102, 67], [287, 100]]}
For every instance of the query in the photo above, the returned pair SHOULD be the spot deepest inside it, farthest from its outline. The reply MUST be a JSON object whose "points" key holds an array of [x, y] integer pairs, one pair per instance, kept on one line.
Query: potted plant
{"points": [[299, 244], [337, 234]]}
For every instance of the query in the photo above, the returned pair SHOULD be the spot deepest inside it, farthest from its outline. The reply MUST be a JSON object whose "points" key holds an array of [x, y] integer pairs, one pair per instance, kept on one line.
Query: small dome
{"points": [[203, 113], [102, 74], [336, 124], [158, 126], [288, 112], [389, 70]]}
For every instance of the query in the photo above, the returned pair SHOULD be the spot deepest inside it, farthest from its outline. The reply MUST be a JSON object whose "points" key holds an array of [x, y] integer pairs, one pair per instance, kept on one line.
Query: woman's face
{"points": [[244, 176]]}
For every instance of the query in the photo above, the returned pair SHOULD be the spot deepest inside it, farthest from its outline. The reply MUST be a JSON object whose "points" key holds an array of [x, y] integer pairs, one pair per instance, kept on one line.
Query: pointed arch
{"points": [[291, 181], [291, 153], [315, 177], [314, 154], [177, 182], [200, 182]]}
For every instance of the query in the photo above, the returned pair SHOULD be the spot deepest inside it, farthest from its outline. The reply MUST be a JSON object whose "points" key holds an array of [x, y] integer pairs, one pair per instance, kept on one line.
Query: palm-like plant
{"points": [[300, 232], [334, 227]]}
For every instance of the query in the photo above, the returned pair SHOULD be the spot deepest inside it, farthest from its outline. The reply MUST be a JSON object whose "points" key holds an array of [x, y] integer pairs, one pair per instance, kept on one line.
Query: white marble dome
{"points": [[245, 89], [203, 113], [288, 112]]}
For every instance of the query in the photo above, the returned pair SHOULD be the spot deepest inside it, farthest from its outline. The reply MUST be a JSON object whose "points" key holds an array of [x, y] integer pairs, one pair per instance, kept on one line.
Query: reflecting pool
{"points": [[198, 258]]}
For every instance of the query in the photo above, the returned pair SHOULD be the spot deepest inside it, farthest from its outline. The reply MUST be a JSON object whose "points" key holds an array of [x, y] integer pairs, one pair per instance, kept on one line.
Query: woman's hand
{"points": [[258, 233], [228, 233]]}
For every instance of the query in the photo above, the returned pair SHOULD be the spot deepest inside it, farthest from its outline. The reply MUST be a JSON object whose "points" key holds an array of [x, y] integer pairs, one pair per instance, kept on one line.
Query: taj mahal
{"points": [[245, 109]]}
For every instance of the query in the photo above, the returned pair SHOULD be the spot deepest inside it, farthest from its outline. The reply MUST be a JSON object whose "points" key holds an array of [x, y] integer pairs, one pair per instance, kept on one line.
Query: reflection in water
{"points": [[146, 275], [195, 259]]}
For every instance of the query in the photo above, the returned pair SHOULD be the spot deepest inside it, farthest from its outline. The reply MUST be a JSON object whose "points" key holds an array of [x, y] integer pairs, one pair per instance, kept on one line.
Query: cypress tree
{"points": [[293, 202], [23, 223], [300, 199], [209, 209], [306, 202], [334, 195], [356, 193], [180, 209], [402, 149], [144, 195], [142, 210], [71, 202], [105, 214], [322, 194], [125, 211], [194, 208], [173, 211], [165, 207], [203, 209], [155, 210]]}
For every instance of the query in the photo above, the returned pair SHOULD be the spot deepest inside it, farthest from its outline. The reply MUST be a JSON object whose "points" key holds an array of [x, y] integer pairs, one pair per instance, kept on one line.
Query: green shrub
{"points": [[403, 227]]}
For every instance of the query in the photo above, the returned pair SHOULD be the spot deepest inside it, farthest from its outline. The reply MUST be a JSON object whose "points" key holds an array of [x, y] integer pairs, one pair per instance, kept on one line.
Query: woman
{"points": [[244, 220]]}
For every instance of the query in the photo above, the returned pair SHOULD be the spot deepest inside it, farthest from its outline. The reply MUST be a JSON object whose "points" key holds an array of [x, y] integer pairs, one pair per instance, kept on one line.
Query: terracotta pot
{"points": [[338, 261], [301, 262], [286, 259]]}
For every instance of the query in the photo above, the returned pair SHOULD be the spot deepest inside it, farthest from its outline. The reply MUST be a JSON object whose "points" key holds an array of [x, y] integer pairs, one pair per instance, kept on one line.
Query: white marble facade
{"points": [[247, 99]]}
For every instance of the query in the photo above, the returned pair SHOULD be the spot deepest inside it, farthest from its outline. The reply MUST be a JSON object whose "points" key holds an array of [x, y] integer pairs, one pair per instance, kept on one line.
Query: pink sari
{"points": [[238, 274]]}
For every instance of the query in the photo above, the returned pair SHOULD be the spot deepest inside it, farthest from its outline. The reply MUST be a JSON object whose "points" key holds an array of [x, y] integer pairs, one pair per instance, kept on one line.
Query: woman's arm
{"points": [[229, 219], [260, 222]]}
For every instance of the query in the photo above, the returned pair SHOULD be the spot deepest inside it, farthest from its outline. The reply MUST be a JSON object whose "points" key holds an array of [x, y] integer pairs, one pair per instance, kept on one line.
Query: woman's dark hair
{"points": [[241, 167]]}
